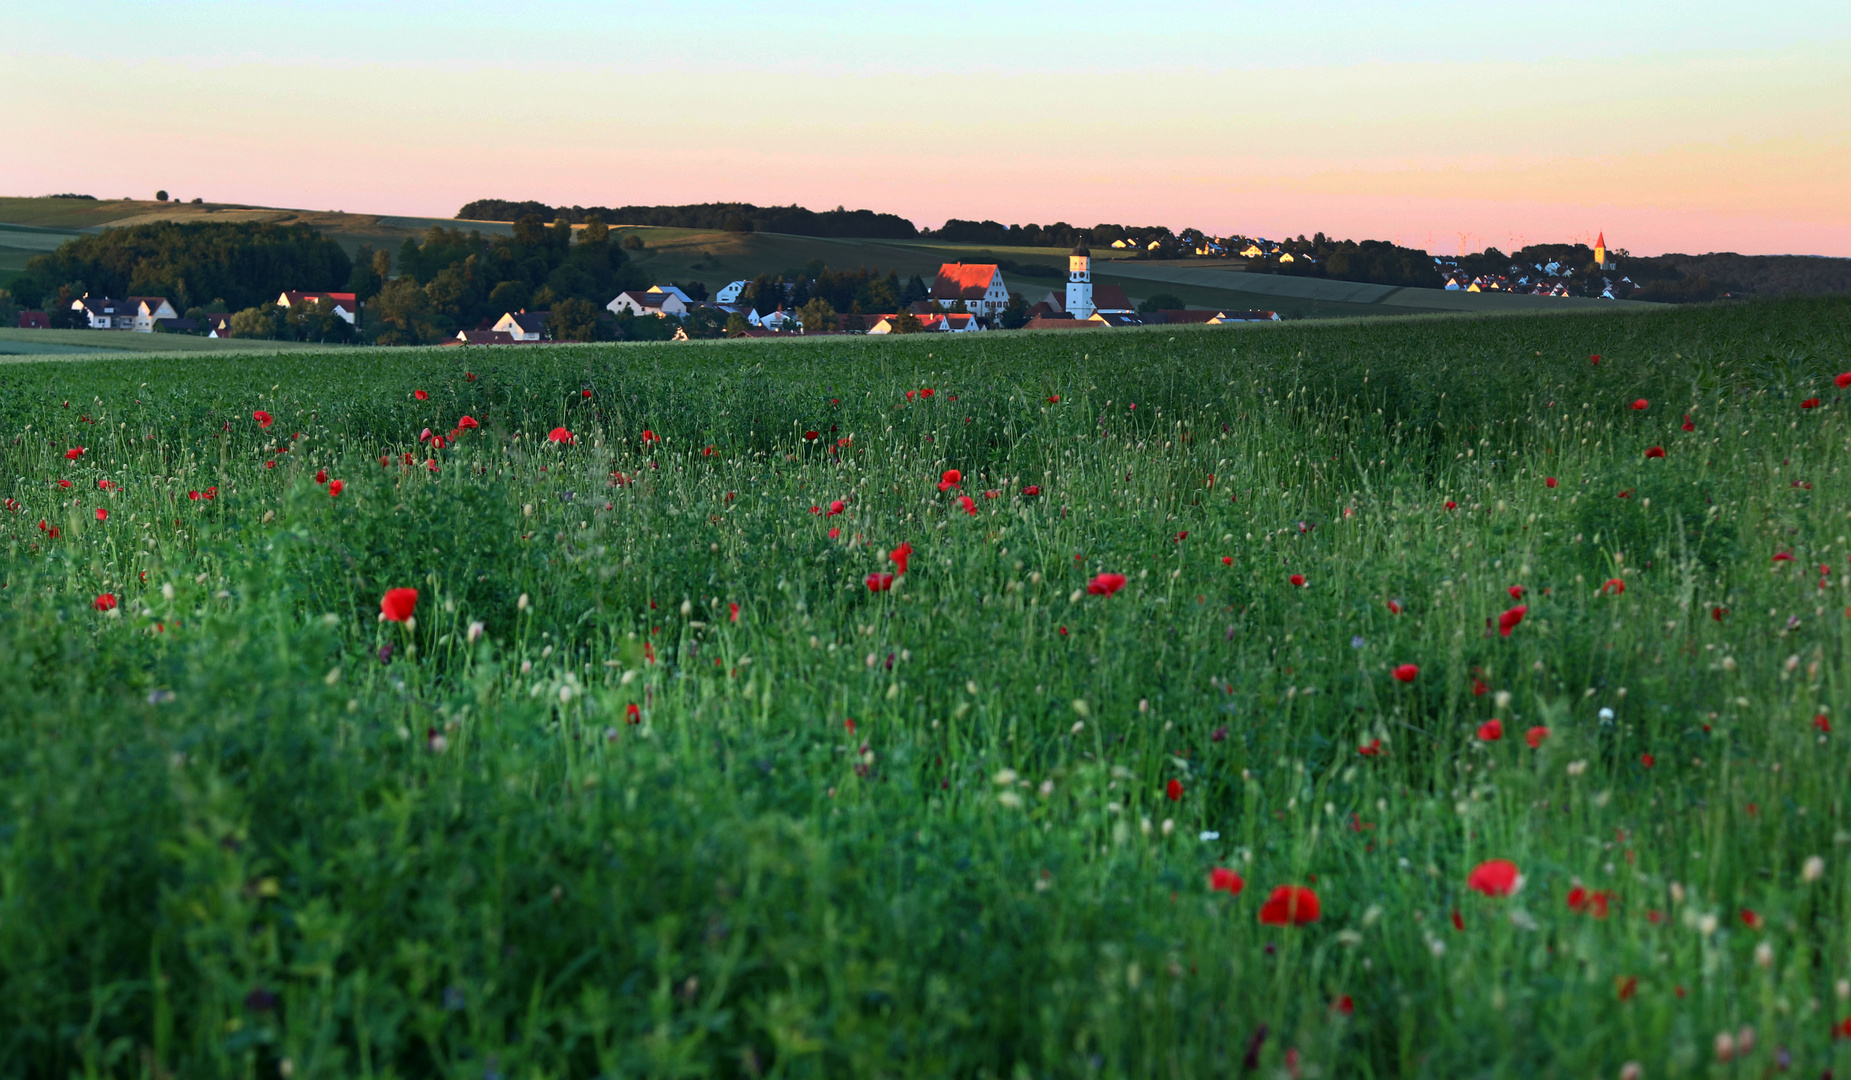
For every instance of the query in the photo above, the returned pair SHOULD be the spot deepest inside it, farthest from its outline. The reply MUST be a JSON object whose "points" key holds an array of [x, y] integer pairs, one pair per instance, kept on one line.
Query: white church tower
{"points": [[1080, 283]]}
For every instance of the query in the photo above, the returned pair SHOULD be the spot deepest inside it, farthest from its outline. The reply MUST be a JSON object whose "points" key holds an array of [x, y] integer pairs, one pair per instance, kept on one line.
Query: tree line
{"points": [[729, 217]]}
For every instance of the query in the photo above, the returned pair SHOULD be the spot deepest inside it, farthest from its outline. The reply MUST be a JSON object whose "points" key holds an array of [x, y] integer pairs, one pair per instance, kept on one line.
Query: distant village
{"points": [[963, 298]]}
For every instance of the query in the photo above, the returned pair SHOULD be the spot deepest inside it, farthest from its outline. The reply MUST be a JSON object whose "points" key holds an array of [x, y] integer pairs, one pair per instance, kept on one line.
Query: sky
{"points": [[1691, 127]]}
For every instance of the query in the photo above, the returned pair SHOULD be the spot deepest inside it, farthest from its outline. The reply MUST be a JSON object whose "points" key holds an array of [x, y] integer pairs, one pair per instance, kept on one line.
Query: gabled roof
{"points": [[1181, 317], [1063, 324], [344, 299], [484, 337], [1601, 240], [103, 305], [1110, 298], [648, 299], [530, 322], [963, 281]]}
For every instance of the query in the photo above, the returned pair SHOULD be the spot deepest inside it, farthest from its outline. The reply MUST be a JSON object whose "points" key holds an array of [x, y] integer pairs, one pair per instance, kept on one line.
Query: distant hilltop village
{"points": [[509, 276]]}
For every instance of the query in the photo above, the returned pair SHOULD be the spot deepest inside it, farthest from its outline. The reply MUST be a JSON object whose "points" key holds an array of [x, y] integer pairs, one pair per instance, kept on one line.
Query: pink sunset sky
{"points": [[1695, 127]]}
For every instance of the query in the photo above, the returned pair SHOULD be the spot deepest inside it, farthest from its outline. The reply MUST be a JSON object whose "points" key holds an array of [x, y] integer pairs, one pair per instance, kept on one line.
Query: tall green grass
{"points": [[250, 829]]}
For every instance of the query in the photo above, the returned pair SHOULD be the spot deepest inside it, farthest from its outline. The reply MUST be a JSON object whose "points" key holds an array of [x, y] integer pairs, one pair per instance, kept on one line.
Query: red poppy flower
{"points": [[104, 602], [467, 423], [1227, 560], [1174, 789], [632, 714], [1298, 580], [559, 435], [1535, 736], [649, 437], [398, 604], [1687, 425], [1458, 921], [1221, 879], [193, 495], [1491, 730], [836, 507], [1718, 612], [1589, 903], [1343, 1006], [1479, 689], [1494, 877], [420, 395], [733, 612], [425, 435], [1055, 398], [1647, 760], [1516, 592], [1823, 723], [321, 476], [927, 392], [969, 504], [1843, 380], [1548, 481], [74, 453], [102, 514], [879, 582], [1656, 451], [584, 393], [1407, 672], [264, 419], [811, 436], [1752, 920], [1810, 403], [1181, 536], [900, 555], [1032, 490], [950, 479], [1612, 587], [1372, 748], [1627, 494], [1290, 905], [910, 393], [835, 532], [335, 487], [1594, 358], [1105, 584], [1509, 620], [1641, 405], [1394, 607], [469, 376], [1783, 556], [1450, 505]]}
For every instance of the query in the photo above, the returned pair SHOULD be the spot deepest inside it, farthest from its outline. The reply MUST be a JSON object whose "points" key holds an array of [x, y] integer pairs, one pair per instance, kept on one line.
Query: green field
{"points": [[654, 783], [15, 343]]}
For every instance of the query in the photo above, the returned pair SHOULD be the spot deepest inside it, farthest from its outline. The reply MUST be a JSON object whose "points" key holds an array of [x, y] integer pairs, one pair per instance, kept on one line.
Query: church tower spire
{"points": [[1600, 250], [1080, 283]]}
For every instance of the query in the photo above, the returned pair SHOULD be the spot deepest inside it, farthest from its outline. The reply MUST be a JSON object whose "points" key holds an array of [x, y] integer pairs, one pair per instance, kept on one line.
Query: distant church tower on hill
{"points": [[1600, 250], [1080, 283]]}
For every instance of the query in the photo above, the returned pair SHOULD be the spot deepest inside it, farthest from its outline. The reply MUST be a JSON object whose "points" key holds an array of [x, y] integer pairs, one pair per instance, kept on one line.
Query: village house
{"points": [[730, 293], [344, 304], [979, 286], [658, 301], [481, 337], [34, 320], [218, 326], [107, 314], [523, 325]]}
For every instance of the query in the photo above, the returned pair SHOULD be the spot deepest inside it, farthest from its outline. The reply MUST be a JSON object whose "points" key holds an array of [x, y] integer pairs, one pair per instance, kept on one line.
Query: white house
{"points": [[523, 325], [655, 302], [106, 314], [218, 326], [774, 320], [150, 308], [978, 285], [729, 294], [344, 303]]}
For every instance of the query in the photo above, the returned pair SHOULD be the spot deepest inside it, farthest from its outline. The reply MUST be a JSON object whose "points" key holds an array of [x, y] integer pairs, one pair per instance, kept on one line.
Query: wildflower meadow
{"points": [[1425, 697]]}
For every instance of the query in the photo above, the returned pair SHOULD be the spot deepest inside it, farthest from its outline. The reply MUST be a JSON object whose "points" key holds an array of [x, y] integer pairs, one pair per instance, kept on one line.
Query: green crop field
{"points": [[1371, 698]]}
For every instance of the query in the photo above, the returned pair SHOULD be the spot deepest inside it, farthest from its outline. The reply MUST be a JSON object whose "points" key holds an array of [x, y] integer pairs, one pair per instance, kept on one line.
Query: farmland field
{"points": [[1382, 698]]}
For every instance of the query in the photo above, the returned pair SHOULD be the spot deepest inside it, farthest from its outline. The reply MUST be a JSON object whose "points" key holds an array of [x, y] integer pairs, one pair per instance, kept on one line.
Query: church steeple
{"points": [[1080, 283], [1600, 250]]}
